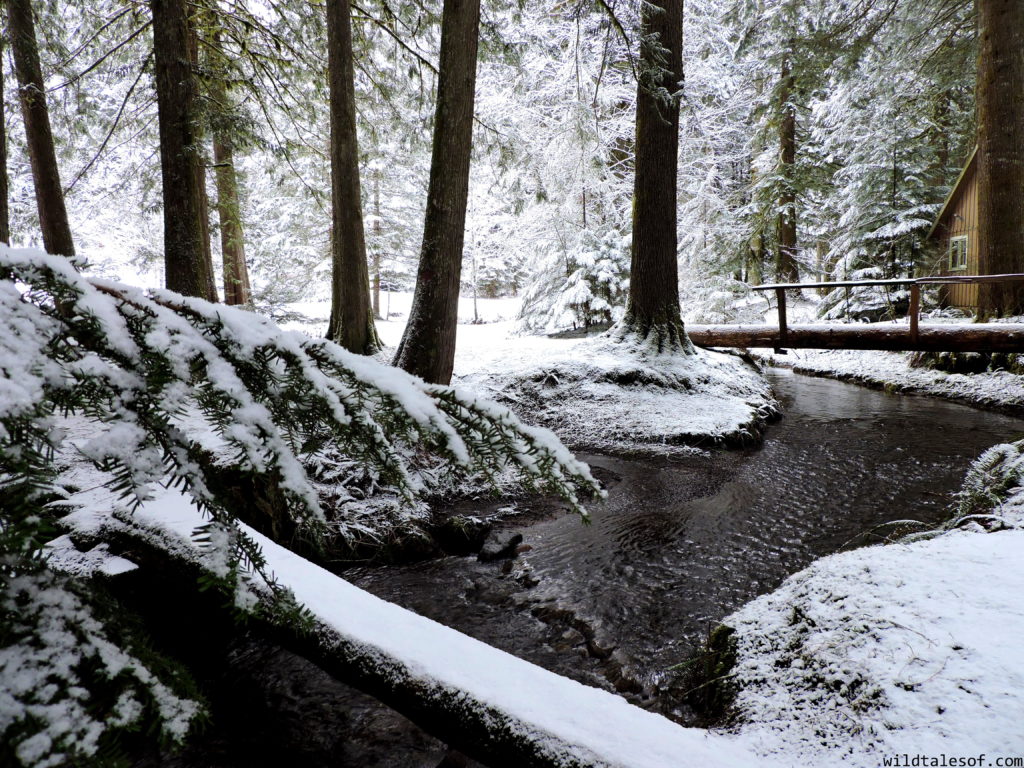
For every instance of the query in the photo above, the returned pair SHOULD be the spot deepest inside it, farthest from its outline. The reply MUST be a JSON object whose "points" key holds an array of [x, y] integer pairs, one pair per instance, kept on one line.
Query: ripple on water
{"points": [[679, 545]]}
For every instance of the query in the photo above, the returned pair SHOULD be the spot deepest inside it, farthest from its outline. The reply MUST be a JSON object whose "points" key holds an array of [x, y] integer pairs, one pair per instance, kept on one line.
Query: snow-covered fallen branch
{"points": [[484, 702]]}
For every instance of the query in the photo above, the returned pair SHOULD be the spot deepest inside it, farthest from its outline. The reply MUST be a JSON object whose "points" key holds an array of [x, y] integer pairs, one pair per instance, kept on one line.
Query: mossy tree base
{"points": [[659, 332]]}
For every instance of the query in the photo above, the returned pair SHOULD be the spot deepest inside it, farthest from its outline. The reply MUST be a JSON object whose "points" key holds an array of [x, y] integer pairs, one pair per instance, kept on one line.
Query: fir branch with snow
{"points": [[168, 383]]}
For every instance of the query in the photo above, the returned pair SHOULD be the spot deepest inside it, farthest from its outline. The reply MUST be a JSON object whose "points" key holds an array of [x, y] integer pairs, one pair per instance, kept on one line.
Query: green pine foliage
{"points": [[161, 382]]}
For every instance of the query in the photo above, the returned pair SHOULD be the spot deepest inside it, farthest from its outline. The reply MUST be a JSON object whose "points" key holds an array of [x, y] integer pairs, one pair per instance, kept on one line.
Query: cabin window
{"points": [[958, 253]]}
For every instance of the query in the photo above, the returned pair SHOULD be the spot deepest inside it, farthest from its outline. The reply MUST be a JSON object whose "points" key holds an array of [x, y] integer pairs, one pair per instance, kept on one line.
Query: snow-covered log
{"points": [[490, 705], [987, 337]]}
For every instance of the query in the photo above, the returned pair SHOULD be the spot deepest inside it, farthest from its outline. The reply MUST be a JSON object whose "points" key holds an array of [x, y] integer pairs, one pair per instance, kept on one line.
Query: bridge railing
{"points": [[915, 284]]}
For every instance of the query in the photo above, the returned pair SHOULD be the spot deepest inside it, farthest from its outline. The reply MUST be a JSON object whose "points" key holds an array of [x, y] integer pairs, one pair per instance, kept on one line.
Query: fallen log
{"points": [[975, 337]]}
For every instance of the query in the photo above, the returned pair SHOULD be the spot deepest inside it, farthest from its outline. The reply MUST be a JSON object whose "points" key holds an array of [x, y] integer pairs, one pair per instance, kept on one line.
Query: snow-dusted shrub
{"points": [[995, 479], [164, 381], [587, 289], [718, 299]]}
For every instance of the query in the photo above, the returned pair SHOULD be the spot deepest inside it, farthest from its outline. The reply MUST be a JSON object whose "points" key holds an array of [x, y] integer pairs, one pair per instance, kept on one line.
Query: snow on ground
{"points": [[594, 394], [909, 648], [601, 395]]}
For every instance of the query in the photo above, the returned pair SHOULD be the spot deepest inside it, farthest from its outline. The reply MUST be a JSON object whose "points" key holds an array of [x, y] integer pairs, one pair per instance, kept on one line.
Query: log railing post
{"points": [[780, 293], [915, 310]]}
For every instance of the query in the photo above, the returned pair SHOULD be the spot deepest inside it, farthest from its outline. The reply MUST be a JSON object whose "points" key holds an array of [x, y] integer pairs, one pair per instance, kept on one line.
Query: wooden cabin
{"points": [[955, 237]]}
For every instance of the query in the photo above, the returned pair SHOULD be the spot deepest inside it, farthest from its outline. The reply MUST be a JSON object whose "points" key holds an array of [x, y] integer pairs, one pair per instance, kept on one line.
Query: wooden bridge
{"points": [[960, 337]]}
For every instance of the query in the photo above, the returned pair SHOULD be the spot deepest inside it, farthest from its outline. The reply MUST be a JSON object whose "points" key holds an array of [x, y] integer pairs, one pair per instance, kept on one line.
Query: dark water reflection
{"points": [[678, 545]]}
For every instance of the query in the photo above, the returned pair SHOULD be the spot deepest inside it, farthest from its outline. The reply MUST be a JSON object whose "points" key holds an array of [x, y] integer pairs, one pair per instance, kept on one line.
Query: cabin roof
{"points": [[953, 193]]}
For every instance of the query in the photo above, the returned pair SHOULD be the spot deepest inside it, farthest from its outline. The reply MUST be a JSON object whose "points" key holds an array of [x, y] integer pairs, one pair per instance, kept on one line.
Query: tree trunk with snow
{"points": [[427, 348], [188, 269], [5, 193], [351, 323], [653, 308], [53, 216], [1000, 90], [786, 270]]}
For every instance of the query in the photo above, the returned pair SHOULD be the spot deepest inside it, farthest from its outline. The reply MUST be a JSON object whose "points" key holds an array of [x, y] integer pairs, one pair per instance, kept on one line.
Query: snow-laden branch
{"points": [[160, 373]]}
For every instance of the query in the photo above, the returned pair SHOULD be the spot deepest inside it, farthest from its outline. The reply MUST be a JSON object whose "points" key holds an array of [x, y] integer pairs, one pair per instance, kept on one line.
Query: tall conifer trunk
{"points": [[652, 311], [199, 164], [351, 323], [786, 270], [1000, 97], [188, 269], [232, 243], [229, 210], [53, 216], [377, 228], [5, 192], [428, 344]]}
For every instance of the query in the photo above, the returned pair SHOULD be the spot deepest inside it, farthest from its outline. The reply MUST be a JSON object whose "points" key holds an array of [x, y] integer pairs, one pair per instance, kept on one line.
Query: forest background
{"points": [[815, 137]]}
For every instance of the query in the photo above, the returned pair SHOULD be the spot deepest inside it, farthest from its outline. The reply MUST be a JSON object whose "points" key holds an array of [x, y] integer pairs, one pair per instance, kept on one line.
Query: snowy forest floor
{"points": [[596, 394]]}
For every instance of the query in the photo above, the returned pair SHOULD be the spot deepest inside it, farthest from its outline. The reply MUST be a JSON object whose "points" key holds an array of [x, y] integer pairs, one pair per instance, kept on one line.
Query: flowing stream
{"points": [[677, 546], [680, 544]]}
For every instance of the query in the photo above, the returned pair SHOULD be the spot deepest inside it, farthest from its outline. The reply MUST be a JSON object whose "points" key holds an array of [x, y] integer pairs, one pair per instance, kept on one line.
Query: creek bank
{"points": [[681, 542], [909, 647], [895, 372], [622, 397]]}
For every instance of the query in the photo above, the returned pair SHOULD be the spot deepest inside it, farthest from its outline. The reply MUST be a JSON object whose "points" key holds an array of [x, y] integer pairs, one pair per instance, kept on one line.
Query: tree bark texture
{"points": [[229, 210], [5, 191], [427, 348], [1000, 98], [188, 269], [377, 229], [232, 243], [653, 308], [53, 216], [200, 164], [786, 270], [351, 323]]}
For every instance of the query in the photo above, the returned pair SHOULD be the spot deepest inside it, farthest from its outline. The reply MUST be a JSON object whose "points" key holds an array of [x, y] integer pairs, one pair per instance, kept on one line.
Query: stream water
{"points": [[675, 548], [680, 544]]}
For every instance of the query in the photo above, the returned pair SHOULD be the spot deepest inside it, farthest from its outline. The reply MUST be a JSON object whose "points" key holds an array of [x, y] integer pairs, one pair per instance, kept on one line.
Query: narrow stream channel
{"points": [[678, 545]]}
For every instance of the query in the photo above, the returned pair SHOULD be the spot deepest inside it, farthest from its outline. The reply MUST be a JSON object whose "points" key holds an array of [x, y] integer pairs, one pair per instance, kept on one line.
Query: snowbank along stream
{"points": [[680, 544], [677, 546]]}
